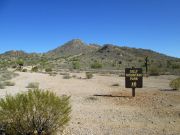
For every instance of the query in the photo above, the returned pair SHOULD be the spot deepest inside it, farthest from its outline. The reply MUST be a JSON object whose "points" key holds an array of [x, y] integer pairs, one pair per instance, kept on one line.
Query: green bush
{"points": [[154, 71], [35, 112], [20, 62], [76, 65], [175, 84], [24, 70], [89, 75], [175, 66], [8, 83], [33, 85], [96, 65], [48, 69], [35, 69]]}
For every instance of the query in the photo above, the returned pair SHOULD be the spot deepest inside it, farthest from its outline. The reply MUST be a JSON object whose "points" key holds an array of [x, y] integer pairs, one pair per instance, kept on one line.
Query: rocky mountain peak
{"points": [[75, 42], [15, 53]]}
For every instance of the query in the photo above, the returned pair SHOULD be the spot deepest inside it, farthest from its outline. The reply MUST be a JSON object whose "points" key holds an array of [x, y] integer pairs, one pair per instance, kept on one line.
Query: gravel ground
{"points": [[98, 108]]}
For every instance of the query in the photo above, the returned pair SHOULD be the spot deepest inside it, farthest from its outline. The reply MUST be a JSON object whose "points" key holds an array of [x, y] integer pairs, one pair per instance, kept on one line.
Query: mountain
{"points": [[73, 47], [78, 47], [77, 54], [109, 56], [14, 53]]}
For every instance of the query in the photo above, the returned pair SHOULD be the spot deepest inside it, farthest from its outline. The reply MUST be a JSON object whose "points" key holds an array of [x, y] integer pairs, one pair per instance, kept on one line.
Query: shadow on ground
{"points": [[109, 95], [167, 89]]}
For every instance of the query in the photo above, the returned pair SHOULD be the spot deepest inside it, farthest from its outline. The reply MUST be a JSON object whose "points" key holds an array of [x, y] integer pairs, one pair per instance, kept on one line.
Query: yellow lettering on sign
{"points": [[133, 78], [134, 75], [133, 71]]}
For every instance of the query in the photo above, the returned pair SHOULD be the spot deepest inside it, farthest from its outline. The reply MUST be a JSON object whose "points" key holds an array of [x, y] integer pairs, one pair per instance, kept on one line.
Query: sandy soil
{"points": [[98, 108]]}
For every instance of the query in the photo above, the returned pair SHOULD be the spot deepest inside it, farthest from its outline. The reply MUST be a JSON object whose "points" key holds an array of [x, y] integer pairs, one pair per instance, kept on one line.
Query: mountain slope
{"points": [[77, 54], [73, 47]]}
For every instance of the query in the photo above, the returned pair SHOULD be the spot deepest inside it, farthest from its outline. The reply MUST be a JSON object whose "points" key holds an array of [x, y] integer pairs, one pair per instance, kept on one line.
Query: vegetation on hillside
{"points": [[77, 55]]}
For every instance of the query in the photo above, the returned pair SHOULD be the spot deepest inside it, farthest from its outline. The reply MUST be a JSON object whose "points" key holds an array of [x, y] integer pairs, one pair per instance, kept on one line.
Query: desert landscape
{"points": [[93, 76], [103, 106], [89, 67]]}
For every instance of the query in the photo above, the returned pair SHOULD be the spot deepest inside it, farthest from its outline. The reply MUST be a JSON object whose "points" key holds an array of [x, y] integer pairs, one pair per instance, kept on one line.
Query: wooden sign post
{"points": [[133, 78]]}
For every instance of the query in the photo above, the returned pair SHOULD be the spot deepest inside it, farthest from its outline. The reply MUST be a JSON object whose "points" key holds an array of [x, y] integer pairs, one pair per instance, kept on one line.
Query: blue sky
{"points": [[42, 25]]}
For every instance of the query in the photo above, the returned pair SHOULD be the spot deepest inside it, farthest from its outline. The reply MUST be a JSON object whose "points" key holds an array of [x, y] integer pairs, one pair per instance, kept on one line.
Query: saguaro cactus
{"points": [[146, 64]]}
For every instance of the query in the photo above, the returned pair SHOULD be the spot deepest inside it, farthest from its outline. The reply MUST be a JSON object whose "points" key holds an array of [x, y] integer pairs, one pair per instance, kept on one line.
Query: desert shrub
{"points": [[74, 76], [20, 62], [33, 85], [64, 73], [2, 86], [35, 112], [175, 84], [24, 70], [175, 66], [19, 69], [7, 75], [52, 73], [76, 65], [120, 62], [8, 83], [154, 71], [89, 75], [34, 69], [14, 66], [66, 76], [96, 65], [48, 69]]}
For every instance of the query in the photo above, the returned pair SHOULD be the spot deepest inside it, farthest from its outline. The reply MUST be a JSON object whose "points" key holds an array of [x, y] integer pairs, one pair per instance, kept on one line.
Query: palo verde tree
{"points": [[35, 112], [20, 63]]}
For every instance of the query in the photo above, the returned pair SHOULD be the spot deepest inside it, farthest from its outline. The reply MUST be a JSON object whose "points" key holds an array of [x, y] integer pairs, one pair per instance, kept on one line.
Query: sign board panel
{"points": [[133, 78]]}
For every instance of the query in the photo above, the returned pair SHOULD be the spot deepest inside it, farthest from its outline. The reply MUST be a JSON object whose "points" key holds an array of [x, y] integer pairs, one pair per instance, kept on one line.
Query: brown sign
{"points": [[133, 78]]}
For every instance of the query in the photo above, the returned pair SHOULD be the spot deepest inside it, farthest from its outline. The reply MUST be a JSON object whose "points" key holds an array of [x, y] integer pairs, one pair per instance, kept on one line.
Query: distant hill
{"points": [[76, 46], [14, 53], [73, 47], [76, 54]]}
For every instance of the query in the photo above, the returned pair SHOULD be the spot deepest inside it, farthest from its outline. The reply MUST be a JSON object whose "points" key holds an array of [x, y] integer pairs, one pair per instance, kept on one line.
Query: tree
{"points": [[36, 111], [76, 65], [20, 62]]}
